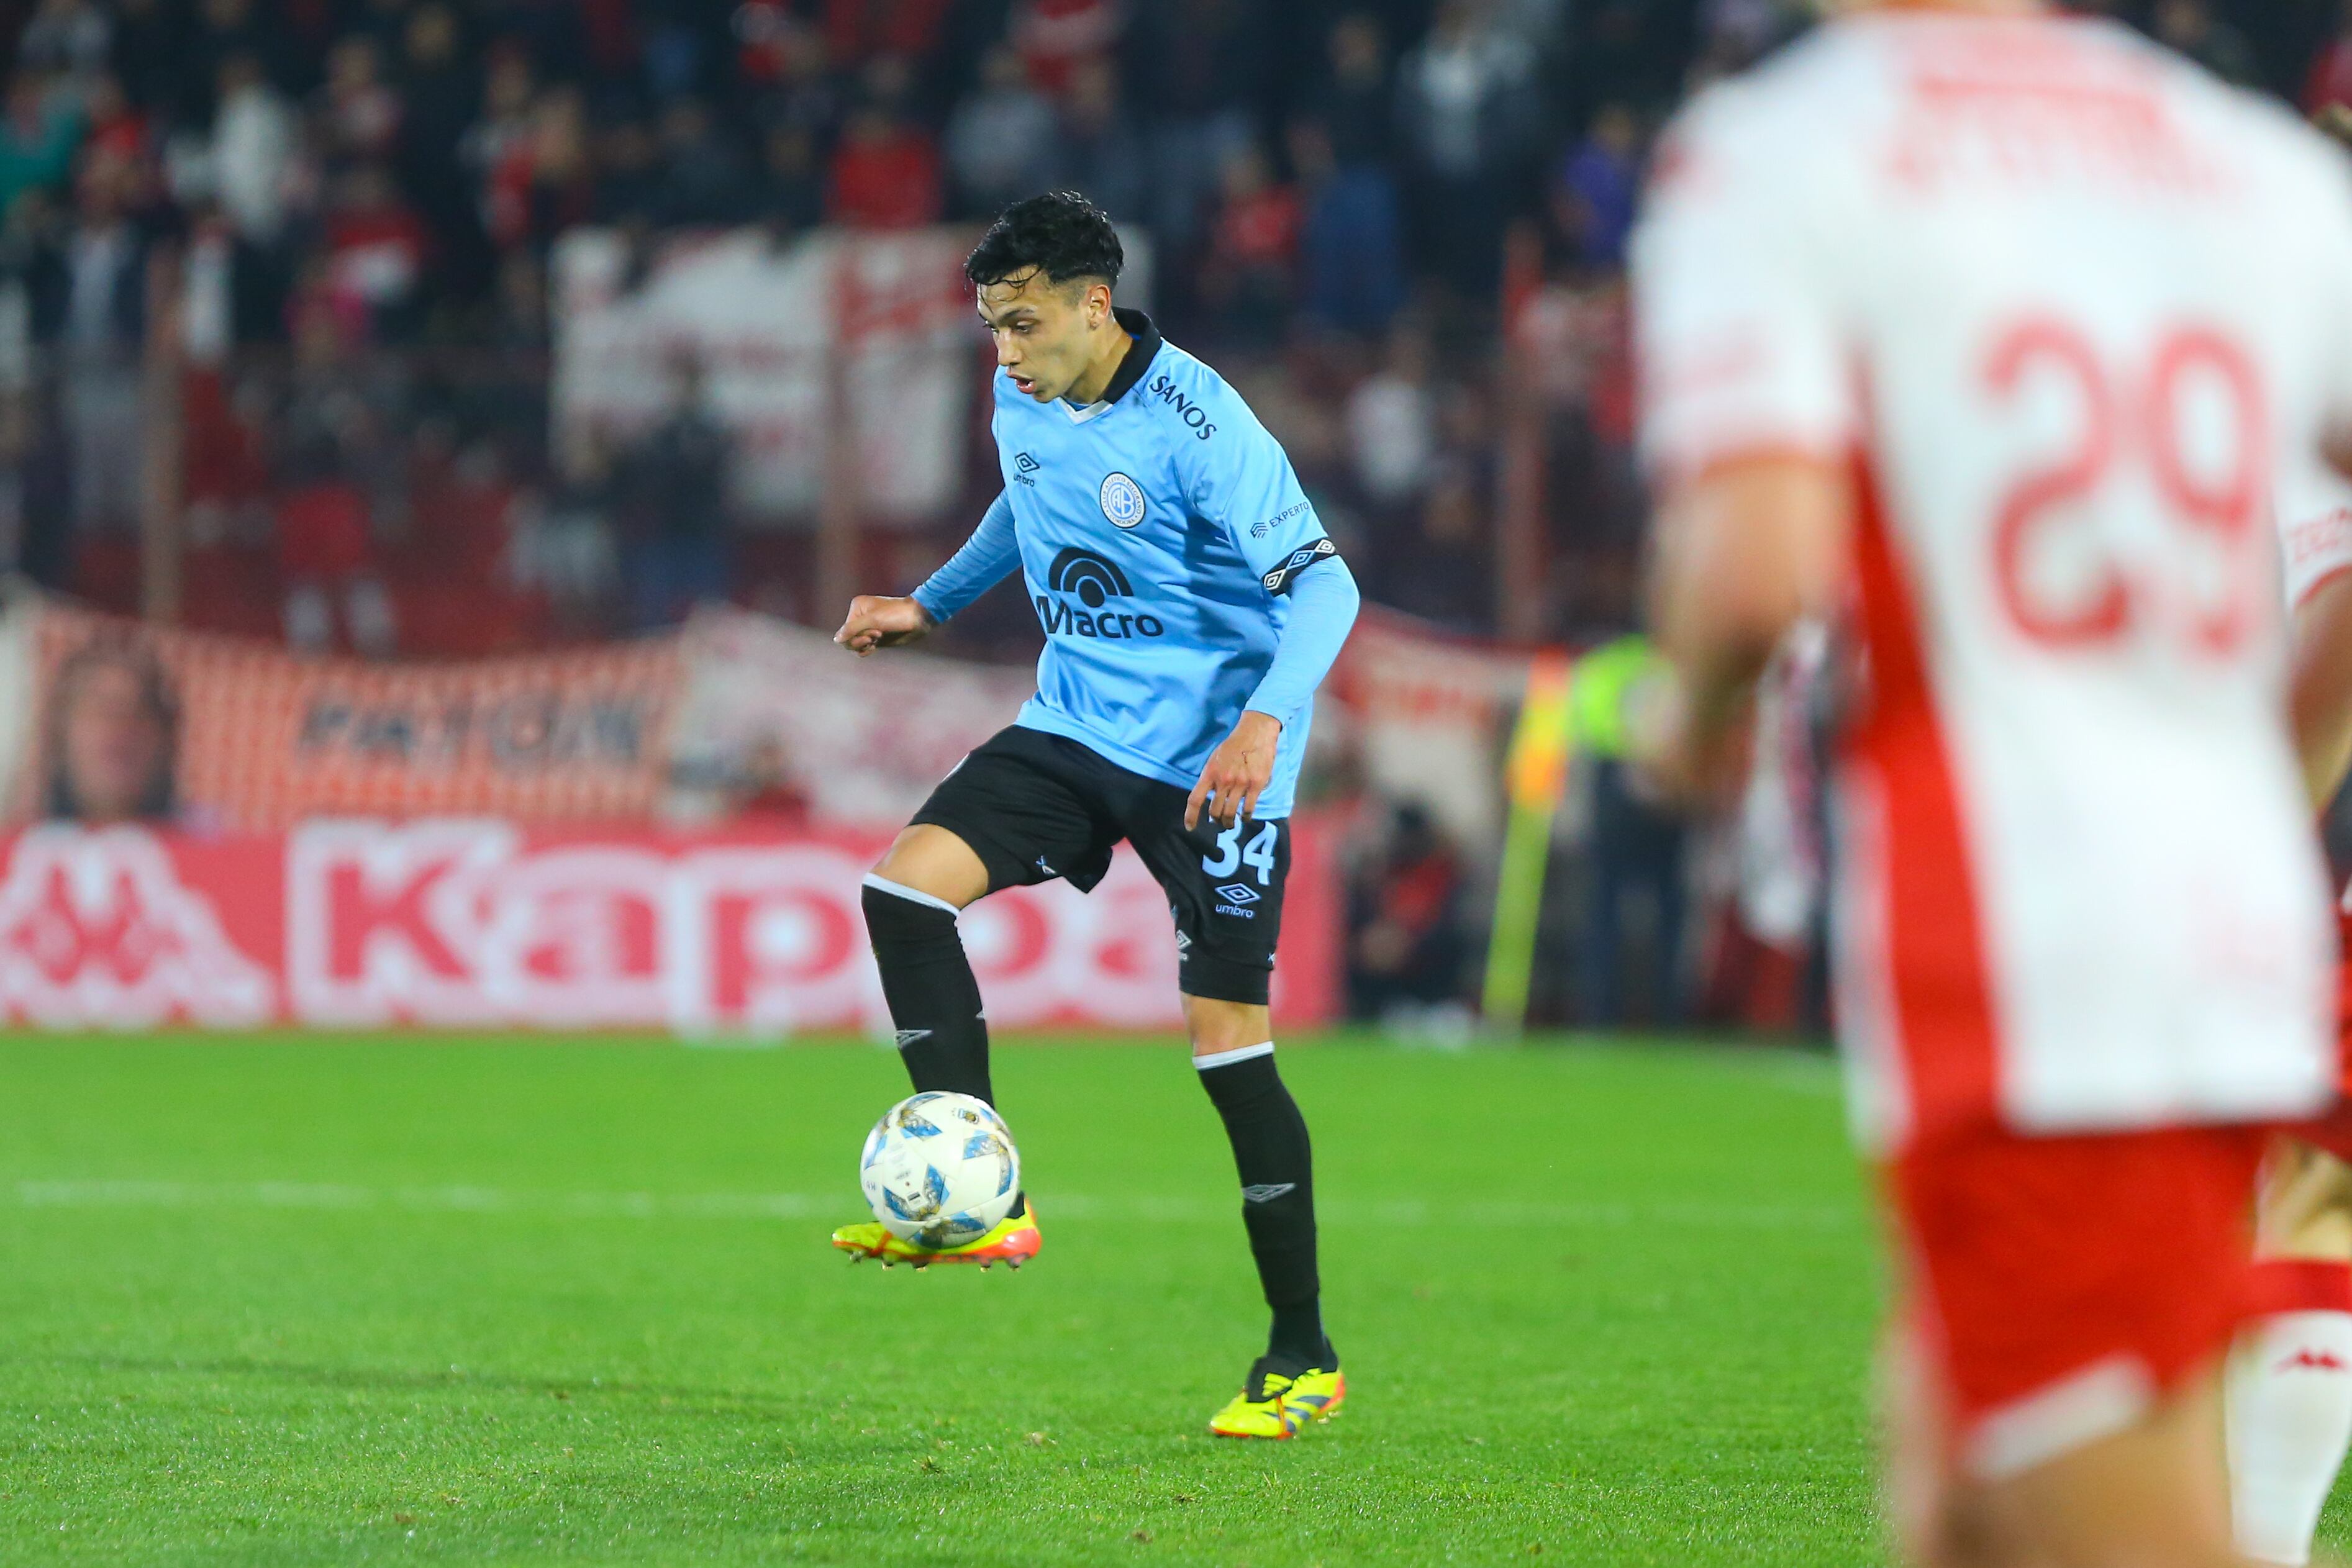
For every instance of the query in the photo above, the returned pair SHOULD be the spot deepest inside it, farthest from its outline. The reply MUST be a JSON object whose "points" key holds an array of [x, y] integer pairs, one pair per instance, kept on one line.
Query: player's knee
{"points": [[1218, 1025], [929, 861]]}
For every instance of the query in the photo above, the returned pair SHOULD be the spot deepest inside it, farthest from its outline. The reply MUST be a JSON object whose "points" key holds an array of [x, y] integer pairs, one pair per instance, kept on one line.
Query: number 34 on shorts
{"points": [[1244, 870]]}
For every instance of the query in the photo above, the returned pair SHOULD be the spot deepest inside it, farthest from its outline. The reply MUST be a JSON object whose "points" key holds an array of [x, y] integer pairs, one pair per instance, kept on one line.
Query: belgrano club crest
{"points": [[1122, 501]]}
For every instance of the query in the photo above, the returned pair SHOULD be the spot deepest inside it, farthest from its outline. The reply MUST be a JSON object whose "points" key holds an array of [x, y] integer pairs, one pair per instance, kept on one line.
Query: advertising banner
{"points": [[230, 733], [460, 922]]}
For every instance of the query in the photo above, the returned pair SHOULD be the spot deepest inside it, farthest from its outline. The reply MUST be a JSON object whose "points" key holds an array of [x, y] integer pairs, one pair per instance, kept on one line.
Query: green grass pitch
{"points": [[298, 1300]]}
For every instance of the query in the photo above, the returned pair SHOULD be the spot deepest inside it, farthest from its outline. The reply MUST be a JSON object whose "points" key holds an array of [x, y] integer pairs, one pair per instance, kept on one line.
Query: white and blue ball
{"points": [[939, 1170]]}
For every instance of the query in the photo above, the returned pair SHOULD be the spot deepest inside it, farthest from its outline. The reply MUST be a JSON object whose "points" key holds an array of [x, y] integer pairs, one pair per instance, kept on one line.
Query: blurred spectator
{"points": [[113, 734], [1253, 249], [67, 37], [704, 180], [1000, 144], [254, 143], [325, 525], [222, 28], [559, 189], [495, 151], [2191, 26], [1056, 38], [857, 31], [1352, 244], [1406, 943], [37, 139], [1357, 106], [1392, 423], [358, 111], [1468, 111], [1637, 857], [148, 53], [1597, 185], [565, 548], [1441, 568], [104, 328], [885, 174], [441, 97], [2329, 81], [1195, 67], [792, 193], [1096, 149], [628, 181], [676, 524], [805, 94], [377, 249], [764, 790]]}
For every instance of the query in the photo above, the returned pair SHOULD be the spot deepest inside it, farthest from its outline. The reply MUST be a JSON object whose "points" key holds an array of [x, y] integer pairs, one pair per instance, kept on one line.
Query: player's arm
{"points": [[1323, 605], [1241, 479], [1744, 551], [2319, 689], [992, 554], [1749, 417]]}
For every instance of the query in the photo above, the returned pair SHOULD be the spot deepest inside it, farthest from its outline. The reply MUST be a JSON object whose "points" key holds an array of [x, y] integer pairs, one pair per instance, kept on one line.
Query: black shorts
{"points": [[1035, 806]]}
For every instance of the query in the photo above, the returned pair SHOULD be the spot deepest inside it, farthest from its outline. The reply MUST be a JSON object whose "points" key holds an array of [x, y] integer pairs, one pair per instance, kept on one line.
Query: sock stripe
{"points": [[1227, 1058], [883, 884], [2301, 1285]]}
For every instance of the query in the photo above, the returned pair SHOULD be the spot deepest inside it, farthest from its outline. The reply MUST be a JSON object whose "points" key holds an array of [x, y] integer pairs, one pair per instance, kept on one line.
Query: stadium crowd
{"points": [[1350, 202]]}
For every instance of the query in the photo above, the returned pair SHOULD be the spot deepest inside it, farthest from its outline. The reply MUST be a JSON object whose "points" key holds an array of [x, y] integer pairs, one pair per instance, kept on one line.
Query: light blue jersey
{"points": [[1160, 532]]}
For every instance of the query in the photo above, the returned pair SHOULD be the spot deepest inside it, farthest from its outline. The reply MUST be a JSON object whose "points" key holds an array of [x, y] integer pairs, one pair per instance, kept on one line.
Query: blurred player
{"points": [[1192, 603], [2010, 323], [2289, 1385]]}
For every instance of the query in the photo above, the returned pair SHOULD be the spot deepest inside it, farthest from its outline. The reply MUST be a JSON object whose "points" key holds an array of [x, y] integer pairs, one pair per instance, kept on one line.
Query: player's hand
{"points": [[1237, 774], [878, 622]]}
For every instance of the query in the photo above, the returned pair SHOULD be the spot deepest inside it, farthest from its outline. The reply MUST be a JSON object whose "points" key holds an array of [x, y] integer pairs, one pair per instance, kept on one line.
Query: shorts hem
{"points": [[2109, 1396], [1213, 978], [1004, 864]]}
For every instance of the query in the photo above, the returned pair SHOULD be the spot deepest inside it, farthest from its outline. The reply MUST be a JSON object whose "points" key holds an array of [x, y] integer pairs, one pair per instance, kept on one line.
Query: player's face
{"points": [[1043, 330]]}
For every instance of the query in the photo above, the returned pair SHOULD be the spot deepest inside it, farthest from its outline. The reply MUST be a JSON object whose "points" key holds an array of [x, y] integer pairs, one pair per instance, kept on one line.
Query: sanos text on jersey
{"points": [[1190, 412]]}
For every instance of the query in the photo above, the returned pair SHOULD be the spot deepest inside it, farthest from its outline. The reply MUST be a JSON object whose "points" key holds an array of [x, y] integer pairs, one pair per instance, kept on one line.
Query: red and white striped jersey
{"points": [[2074, 312]]}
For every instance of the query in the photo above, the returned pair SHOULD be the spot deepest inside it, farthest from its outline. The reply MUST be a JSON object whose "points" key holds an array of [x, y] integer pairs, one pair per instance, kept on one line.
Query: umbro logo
{"points": [[1023, 466], [2313, 1361], [1238, 893], [1268, 1191], [907, 1037]]}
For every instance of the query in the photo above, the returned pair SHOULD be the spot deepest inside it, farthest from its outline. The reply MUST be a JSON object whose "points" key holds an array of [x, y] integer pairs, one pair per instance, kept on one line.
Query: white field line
{"points": [[1406, 1213]]}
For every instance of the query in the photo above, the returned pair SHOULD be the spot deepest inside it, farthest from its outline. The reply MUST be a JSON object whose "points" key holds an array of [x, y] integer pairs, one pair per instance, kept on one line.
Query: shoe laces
{"points": [[1267, 1380]]}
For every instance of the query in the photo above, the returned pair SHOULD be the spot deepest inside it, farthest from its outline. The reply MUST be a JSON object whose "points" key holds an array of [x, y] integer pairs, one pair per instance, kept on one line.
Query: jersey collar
{"points": [[1139, 355]]}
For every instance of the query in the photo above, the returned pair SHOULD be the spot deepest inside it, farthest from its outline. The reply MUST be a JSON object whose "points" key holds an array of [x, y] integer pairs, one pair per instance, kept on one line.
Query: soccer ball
{"points": [[939, 1170]]}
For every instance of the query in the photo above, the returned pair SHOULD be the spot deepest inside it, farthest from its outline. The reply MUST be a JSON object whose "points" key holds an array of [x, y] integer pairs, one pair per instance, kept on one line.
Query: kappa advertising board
{"points": [[478, 924]]}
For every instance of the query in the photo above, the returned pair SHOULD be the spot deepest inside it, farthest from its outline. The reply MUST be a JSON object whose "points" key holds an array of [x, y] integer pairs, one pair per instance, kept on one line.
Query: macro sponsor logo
{"points": [[1193, 415], [1094, 581]]}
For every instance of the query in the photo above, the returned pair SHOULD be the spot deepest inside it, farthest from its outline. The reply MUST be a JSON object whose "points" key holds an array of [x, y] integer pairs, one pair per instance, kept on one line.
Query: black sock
{"points": [[928, 981], [1277, 1168]]}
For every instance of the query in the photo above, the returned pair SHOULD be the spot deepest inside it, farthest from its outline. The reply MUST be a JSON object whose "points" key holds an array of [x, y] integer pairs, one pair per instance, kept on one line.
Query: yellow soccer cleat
{"points": [[1277, 1403], [1012, 1241]]}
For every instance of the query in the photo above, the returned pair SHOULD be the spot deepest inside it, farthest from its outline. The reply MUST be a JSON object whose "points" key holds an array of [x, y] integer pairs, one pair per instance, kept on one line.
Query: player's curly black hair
{"points": [[1061, 234]]}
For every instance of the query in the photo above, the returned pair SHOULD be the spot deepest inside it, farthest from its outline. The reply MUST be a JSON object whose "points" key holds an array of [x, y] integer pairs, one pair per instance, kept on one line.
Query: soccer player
{"points": [[1192, 603], [2009, 323], [2288, 1389]]}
